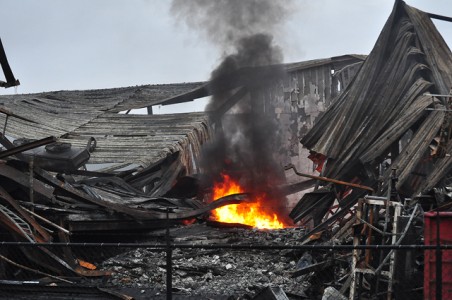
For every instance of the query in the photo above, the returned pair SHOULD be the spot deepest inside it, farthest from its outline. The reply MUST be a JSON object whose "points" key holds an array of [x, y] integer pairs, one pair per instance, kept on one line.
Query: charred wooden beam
{"points": [[9, 76], [8, 145], [11, 114], [439, 17], [293, 188], [27, 146], [247, 76], [47, 221], [313, 204], [343, 211], [11, 201], [200, 92], [228, 104], [23, 180]]}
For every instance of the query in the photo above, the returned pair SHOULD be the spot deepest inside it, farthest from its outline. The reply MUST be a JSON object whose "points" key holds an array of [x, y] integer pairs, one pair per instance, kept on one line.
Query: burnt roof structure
{"points": [[75, 116], [394, 111]]}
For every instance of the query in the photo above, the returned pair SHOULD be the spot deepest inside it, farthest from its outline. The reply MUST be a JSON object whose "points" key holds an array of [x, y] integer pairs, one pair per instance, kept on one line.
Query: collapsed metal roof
{"points": [[390, 113], [74, 116]]}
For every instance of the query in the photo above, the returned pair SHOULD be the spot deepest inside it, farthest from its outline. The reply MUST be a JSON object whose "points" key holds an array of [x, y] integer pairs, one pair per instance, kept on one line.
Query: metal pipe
{"points": [[370, 197], [434, 109], [288, 167], [385, 228], [6, 122], [437, 95], [31, 168], [378, 270], [34, 270]]}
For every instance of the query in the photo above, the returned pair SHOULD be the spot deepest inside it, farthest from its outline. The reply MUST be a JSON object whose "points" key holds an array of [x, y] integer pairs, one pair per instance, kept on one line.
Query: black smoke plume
{"points": [[247, 142]]}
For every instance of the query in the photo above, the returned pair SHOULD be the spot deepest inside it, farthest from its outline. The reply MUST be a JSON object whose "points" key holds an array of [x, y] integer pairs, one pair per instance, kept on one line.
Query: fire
{"points": [[253, 214]]}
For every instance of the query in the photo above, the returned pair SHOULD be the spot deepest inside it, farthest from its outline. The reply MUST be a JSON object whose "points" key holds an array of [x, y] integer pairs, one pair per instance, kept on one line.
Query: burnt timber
{"points": [[394, 113], [385, 130], [135, 162], [9, 76]]}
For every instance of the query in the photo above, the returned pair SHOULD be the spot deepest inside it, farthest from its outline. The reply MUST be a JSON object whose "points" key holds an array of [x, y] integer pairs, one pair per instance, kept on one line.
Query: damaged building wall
{"points": [[392, 99], [118, 200], [76, 116], [306, 92], [295, 100], [387, 130]]}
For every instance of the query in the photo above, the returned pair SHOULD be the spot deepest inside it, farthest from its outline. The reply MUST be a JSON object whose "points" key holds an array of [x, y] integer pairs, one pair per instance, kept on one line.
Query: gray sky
{"points": [[87, 44]]}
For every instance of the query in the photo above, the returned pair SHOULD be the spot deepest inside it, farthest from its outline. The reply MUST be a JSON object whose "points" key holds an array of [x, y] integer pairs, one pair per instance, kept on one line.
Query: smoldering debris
{"points": [[204, 272]]}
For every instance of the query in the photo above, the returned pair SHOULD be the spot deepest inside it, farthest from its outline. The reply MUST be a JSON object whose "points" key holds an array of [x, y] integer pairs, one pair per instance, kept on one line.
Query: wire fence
{"points": [[163, 270]]}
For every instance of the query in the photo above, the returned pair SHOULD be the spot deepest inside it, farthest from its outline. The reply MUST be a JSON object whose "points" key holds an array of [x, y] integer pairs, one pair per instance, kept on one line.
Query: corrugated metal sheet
{"points": [[386, 100], [142, 139], [75, 116]]}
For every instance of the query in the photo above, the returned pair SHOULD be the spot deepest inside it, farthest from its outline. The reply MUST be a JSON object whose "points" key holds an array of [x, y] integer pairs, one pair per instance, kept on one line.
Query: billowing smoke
{"points": [[225, 22], [243, 29]]}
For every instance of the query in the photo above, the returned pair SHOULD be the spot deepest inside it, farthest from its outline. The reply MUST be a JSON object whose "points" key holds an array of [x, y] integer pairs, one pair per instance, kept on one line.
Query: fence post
{"points": [[169, 260], [439, 260]]}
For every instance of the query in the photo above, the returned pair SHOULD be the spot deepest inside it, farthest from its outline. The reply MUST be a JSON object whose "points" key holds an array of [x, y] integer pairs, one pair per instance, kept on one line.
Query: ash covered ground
{"points": [[215, 273]]}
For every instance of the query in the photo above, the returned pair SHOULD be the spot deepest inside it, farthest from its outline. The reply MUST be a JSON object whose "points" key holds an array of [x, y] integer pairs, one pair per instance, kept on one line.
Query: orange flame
{"points": [[253, 214]]}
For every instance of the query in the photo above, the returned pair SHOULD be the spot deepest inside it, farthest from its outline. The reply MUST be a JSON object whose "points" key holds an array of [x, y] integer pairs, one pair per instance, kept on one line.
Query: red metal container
{"points": [[430, 238]]}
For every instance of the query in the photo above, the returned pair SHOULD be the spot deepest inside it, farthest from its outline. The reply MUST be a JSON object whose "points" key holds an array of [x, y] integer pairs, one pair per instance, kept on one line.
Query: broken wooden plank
{"points": [[23, 180], [27, 146], [44, 235]]}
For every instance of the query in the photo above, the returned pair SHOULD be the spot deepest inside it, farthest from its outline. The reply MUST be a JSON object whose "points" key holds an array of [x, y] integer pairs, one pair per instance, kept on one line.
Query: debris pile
{"points": [[383, 150], [39, 206], [224, 272], [394, 115]]}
